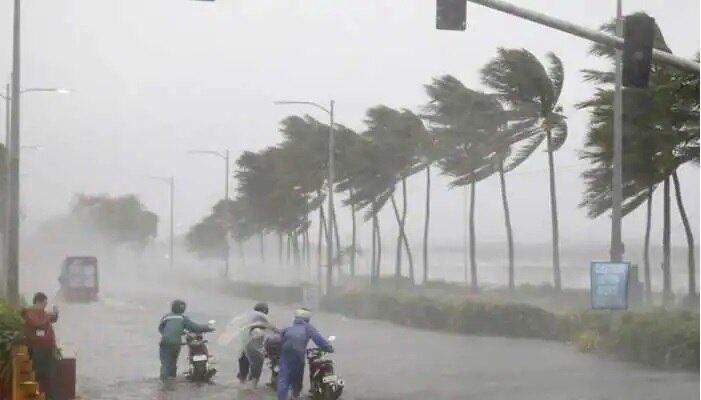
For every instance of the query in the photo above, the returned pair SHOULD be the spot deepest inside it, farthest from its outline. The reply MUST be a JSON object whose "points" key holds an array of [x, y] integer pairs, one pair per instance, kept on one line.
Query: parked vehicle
{"points": [[79, 279]]}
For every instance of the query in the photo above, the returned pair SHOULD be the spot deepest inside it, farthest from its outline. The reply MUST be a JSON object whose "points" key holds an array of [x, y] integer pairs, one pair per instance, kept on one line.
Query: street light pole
{"points": [[170, 182], [331, 178], [13, 221], [225, 157], [171, 257], [617, 188], [332, 211]]}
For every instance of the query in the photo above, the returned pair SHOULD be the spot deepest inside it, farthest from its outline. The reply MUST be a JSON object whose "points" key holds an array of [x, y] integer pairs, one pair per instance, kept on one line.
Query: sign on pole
{"points": [[609, 285]]}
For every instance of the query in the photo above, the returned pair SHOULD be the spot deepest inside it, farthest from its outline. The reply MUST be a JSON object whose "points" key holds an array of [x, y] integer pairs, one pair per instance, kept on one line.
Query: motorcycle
{"points": [[324, 383], [272, 353], [200, 369]]}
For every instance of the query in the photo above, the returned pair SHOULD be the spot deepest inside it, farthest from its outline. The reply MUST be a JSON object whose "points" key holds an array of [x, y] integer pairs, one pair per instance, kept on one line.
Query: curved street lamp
{"points": [[331, 178], [224, 156]]}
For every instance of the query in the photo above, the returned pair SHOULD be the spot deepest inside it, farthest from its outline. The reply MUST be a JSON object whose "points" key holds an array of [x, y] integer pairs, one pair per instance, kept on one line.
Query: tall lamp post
{"points": [[617, 192], [12, 97], [224, 156], [331, 179], [170, 181]]}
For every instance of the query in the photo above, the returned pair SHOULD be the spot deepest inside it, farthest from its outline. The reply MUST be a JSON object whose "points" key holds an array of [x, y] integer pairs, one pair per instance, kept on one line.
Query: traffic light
{"points": [[637, 50], [451, 15]]}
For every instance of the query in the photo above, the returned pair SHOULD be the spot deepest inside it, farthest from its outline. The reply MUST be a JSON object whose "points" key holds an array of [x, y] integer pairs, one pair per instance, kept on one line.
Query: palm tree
{"points": [[475, 136], [665, 118], [398, 133], [524, 83]]}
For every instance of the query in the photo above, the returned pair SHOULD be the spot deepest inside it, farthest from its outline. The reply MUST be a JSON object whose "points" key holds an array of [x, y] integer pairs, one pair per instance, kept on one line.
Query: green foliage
{"points": [[11, 333], [117, 220], [661, 131], [660, 338]]}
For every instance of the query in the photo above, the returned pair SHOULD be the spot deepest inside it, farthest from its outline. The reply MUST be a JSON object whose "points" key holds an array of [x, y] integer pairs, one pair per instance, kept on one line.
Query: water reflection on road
{"points": [[115, 341]]}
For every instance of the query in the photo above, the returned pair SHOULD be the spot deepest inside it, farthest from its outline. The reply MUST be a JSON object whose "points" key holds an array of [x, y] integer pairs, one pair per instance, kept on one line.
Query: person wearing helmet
{"points": [[253, 350], [172, 327], [294, 342]]}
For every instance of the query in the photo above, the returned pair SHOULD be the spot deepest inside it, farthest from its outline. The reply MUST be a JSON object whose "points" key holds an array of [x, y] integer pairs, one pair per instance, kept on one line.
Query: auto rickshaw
{"points": [[79, 279]]}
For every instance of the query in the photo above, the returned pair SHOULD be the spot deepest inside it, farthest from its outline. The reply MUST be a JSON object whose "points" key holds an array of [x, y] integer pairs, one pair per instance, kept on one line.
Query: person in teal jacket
{"points": [[172, 328]]}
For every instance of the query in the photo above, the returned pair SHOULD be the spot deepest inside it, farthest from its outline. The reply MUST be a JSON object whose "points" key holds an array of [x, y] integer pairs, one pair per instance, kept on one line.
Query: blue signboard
{"points": [[609, 285]]}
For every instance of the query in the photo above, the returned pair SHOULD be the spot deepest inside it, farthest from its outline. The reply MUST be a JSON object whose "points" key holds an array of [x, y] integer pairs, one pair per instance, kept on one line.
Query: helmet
{"points": [[303, 313], [261, 307], [178, 306]]}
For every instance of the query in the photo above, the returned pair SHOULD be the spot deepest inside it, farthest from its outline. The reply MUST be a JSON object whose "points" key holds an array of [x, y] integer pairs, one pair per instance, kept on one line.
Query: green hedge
{"points": [[265, 292], [661, 338]]}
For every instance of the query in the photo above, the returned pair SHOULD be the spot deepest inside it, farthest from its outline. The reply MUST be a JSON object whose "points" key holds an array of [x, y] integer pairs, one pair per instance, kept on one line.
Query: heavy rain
{"points": [[447, 199]]}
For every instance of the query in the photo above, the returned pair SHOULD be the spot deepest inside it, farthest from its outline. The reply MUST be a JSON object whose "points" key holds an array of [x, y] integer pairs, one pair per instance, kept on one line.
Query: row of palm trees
{"points": [[470, 135]]}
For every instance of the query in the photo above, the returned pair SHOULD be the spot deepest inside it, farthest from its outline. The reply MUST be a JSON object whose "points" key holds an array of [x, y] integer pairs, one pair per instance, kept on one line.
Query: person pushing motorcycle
{"points": [[253, 354], [294, 342], [172, 327]]}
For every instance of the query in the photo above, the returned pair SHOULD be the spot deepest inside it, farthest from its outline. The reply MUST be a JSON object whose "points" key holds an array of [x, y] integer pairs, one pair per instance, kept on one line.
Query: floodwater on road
{"points": [[115, 342]]}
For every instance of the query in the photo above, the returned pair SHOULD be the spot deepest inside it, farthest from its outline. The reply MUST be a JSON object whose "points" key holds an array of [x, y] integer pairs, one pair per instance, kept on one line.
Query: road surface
{"points": [[115, 341]]}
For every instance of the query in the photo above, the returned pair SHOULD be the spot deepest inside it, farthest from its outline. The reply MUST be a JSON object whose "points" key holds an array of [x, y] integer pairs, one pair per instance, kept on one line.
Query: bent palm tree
{"points": [[524, 83]]}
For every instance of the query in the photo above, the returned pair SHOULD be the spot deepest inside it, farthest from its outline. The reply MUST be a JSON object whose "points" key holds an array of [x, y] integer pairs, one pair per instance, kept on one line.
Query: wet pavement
{"points": [[115, 341]]}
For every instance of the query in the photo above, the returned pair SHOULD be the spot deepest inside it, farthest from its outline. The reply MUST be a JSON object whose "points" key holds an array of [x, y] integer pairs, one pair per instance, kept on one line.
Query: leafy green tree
{"points": [[121, 220]]}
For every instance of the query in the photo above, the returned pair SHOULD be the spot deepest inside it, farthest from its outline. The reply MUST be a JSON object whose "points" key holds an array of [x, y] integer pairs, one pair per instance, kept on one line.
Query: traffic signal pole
{"points": [[586, 33], [616, 251]]}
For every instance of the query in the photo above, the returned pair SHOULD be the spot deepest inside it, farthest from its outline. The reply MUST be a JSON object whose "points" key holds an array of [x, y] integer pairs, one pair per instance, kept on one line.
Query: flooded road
{"points": [[116, 339]]}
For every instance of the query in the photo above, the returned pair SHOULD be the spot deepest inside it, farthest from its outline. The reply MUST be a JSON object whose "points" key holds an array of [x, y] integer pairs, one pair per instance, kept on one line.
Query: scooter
{"points": [[323, 381], [200, 369]]}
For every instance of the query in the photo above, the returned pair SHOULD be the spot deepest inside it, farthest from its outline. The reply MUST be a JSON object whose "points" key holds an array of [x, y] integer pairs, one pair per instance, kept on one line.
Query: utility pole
{"points": [[617, 188], [331, 178], [13, 222], [171, 257], [224, 156]]}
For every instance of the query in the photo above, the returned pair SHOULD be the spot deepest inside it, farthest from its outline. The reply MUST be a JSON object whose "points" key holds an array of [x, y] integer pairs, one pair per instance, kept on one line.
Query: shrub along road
{"points": [[116, 341]]}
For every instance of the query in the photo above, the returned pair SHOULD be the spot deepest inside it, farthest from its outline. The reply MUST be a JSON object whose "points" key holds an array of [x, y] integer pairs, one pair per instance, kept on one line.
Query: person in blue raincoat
{"points": [[172, 327], [293, 341]]}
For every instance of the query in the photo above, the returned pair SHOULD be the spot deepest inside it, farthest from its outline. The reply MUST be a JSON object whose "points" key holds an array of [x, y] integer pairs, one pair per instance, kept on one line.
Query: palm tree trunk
{"points": [[336, 236], [295, 249], [691, 257], [262, 248], [398, 256], [376, 224], [242, 252], [374, 250], [409, 257], [279, 248], [324, 231], [646, 254], [557, 277], [667, 295], [507, 222], [307, 245], [353, 240], [473, 243], [289, 245], [428, 218]]}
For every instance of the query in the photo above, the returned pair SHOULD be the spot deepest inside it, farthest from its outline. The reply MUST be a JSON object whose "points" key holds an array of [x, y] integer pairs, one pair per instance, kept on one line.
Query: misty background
{"points": [[152, 80]]}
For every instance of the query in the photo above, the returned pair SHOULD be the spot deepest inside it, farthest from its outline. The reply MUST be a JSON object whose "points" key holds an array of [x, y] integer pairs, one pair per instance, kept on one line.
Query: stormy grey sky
{"points": [[152, 79]]}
